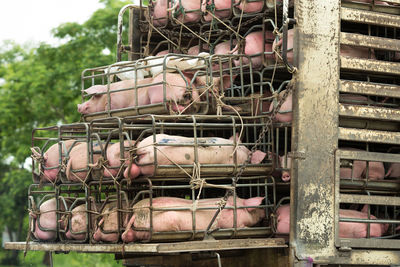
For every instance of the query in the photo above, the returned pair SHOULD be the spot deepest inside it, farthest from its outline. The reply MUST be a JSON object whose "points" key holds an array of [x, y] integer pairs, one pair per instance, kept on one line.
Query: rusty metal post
{"points": [[315, 131], [134, 34]]}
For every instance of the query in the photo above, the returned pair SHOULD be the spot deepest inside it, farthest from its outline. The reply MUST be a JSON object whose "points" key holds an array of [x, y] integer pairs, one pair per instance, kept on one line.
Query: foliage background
{"points": [[40, 86]]}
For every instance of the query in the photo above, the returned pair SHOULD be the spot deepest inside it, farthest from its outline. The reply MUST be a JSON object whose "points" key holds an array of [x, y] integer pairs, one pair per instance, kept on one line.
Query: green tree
{"points": [[40, 86]]}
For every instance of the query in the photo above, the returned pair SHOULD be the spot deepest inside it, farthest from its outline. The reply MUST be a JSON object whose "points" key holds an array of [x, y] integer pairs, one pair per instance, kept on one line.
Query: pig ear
{"points": [[254, 201], [95, 89], [257, 157], [236, 137]]}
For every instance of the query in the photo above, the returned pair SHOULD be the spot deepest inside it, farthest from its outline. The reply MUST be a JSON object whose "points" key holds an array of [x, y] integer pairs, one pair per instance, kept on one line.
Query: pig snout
{"points": [[285, 176], [132, 172], [68, 235], [83, 108]]}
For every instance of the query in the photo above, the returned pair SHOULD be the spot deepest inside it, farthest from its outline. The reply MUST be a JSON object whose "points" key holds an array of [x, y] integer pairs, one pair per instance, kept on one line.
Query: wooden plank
{"points": [[372, 200], [368, 112], [370, 65], [362, 40], [368, 88], [206, 245], [370, 17], [373, 136], [368, 156]]}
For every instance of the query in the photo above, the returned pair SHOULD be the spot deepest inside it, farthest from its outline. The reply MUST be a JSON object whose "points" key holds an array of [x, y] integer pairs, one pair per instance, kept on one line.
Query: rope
{"points": [[158, 31], [221, 104], [226, 25], [194, 33]]}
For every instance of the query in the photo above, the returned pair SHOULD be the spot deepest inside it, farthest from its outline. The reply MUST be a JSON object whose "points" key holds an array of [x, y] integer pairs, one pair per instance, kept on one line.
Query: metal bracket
{"points": [[297, 155]]}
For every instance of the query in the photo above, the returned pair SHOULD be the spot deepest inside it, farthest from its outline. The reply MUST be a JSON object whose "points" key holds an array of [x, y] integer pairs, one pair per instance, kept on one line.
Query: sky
{"points": [[36, 18]]}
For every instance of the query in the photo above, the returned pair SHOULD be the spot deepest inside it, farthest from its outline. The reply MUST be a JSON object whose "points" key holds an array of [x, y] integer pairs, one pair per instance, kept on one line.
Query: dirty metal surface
{"points": [[277, 257], [368, 88], [371, 243], [368, 156], [368, 257], [362, 40], [370, 65], [190, 246], [315, 118], [374, 136], [367, 6], [370, 17], [374, 113], [373, 200]]}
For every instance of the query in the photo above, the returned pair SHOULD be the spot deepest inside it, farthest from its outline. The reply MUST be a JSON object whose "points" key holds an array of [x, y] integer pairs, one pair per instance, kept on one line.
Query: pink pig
{"points": [[222, 9], [114, 158], [181, 220], [121, 99], [78, 223], [346, 229], [254, 44], [250, 7], [176, 87], [285, 112], [47, 219], [394, 170], [160, 13], [190, 11], [109, 223], [213, 154], [376, 170], [78, 165], [345, 50], [52, 159]]}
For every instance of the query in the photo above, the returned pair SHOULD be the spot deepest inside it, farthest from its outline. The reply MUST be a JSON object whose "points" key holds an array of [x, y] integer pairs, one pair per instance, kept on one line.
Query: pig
{"points": [[249, 7], [78, 164], [77, 229], [394, 170], [47, 219], [376, 170], [346, 229], [176, 86], [285, 112], [191, 10], [114, 159], [107, 228], [121, 99], [181, 220], [222, 9], [51, 159], [345, 50], [285, 162], [159, 12], [195, 50], [213, 154], [254, 44], [78, 221]]}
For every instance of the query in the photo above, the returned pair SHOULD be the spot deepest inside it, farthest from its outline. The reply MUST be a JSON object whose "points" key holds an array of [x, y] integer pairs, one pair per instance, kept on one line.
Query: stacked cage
{"points": [[179, 140]]}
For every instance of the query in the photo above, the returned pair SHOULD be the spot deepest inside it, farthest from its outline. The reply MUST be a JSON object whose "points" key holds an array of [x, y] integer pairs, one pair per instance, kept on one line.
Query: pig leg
{"points": [[129, 235]]}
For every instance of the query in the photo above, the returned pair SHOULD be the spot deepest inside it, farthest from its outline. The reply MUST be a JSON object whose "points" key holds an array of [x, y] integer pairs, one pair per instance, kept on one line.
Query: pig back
{"points": [[79, 163]]}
